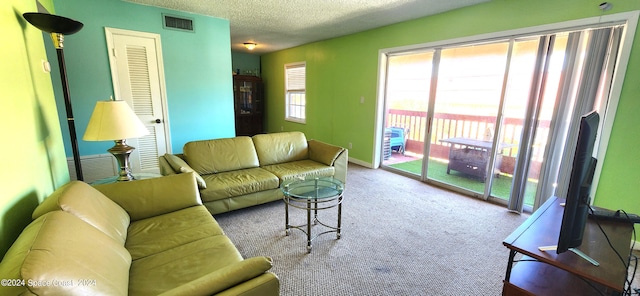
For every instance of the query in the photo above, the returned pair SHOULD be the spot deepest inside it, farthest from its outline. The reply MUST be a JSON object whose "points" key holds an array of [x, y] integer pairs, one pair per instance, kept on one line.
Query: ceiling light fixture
{"points": [[250, 45]]}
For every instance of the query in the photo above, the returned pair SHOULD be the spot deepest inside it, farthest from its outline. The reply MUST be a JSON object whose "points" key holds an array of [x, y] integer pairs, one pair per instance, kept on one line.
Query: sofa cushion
{"points": [[156, 234], [155, 274], [90, 205], [290, 170], [281, 147], [58, 249], [221, 155], [236, 183], [181, 166]]}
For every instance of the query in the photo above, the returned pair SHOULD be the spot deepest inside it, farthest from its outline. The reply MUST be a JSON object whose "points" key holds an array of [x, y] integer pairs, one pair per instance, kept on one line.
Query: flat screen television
{"points": [[576, 209]]}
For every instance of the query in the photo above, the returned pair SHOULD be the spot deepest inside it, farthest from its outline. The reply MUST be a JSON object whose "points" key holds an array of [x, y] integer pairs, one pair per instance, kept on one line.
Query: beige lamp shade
{"points": [[113, 120]]}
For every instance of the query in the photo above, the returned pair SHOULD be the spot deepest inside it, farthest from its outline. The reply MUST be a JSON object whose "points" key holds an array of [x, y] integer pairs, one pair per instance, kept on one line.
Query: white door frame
{"points": [[110, 32], [629, 18]]}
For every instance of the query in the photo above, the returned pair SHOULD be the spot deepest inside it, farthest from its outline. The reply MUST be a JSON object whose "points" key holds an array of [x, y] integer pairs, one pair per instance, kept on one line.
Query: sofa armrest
{"points": [[175, 164], [224, 278], [323, 152], [152, 197], [331, 155], [165, 167], [266, 284], [340, 165]]}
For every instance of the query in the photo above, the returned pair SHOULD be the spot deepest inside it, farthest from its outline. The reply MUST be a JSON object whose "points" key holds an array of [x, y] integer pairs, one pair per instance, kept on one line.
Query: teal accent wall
{"points": [[341, 70], [32, 117], [34, 162], [197, 69], [245, 62]]}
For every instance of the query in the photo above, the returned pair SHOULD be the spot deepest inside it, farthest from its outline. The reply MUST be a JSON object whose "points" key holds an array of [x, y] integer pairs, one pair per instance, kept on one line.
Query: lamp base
{"points": [[121, 152]]}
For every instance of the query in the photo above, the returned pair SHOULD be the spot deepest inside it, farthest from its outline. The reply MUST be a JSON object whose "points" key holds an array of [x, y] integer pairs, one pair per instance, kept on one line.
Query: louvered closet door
{"points": [[136, 66]]}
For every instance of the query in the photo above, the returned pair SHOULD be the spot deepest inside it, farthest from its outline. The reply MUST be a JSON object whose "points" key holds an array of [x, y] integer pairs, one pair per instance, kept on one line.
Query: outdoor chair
{"points": [[398, 139]]}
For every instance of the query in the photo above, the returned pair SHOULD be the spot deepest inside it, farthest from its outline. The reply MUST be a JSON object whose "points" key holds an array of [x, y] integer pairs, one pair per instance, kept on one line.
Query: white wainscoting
{"points": [[94, 167]]}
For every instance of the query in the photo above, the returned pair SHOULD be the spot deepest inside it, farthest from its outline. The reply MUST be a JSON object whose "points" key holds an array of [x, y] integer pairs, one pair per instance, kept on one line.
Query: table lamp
{"points": [[58, 26], [115, 121]]}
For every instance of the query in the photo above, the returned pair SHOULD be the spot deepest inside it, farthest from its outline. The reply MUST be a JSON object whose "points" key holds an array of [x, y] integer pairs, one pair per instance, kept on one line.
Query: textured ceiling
{"points": [[280, 24]]}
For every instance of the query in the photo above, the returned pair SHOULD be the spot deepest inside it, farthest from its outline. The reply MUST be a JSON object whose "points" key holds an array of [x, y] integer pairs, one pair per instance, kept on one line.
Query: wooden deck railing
{"points": [[447, 125]]}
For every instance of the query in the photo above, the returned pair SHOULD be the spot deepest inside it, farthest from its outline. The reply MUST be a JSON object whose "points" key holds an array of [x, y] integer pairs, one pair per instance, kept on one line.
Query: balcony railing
{"points": [[447, 125]]}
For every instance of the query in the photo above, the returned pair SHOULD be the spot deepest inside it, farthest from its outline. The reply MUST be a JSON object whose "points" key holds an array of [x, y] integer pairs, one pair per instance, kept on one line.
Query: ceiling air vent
{"points": [[177, 23]]}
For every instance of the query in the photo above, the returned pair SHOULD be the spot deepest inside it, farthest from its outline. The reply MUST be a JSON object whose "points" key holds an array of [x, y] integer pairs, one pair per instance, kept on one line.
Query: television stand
{"points": [[574, 250], [547, 273]]}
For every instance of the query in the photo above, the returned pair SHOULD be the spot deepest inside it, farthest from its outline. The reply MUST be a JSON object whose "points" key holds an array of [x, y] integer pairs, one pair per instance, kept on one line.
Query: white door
{"points": [[138, 78]]}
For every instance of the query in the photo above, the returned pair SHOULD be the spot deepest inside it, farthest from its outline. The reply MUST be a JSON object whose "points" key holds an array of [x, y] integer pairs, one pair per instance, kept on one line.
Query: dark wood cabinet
{"points": [[248, 104]]}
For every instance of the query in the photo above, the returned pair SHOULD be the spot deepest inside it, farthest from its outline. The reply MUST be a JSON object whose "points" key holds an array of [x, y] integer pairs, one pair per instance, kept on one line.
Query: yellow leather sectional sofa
{"points": [[243, 171], [145, 237]]}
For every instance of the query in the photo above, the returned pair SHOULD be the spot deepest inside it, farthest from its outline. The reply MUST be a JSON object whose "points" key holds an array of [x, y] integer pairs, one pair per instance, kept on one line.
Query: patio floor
{"points": [[438, 171]]}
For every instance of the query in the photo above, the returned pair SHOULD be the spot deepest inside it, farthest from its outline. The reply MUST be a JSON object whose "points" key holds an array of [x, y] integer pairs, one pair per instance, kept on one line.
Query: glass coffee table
{"points": [[313, 194]]}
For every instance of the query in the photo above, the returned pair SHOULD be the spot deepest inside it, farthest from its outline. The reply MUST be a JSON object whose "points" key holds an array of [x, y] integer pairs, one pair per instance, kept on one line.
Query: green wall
{"points": [[34, 161], [341, 70], [197, 68]]}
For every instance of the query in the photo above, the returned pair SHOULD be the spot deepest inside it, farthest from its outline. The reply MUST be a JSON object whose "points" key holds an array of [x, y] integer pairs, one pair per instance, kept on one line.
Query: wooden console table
{"points": [[548, 273], [472, 156]]}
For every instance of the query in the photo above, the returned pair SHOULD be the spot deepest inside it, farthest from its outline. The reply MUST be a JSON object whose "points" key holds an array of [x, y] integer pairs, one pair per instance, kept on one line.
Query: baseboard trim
{"points": [[361, 163]]}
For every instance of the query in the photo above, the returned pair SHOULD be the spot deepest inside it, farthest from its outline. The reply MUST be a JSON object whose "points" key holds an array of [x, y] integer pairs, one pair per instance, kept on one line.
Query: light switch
{"points": [[46, 67]]}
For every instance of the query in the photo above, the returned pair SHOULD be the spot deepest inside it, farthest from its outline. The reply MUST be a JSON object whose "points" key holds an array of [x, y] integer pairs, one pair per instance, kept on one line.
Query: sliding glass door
{"points": [[466, 106], [407, 98], [478, 99], [493, 117]]}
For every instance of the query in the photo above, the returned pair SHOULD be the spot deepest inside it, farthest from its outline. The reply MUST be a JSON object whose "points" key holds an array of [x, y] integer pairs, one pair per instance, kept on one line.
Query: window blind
{"points": [[296, 77]]}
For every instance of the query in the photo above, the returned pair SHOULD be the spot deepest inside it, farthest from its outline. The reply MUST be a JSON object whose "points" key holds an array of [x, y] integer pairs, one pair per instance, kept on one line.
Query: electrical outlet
{"points": [[350, 145]]}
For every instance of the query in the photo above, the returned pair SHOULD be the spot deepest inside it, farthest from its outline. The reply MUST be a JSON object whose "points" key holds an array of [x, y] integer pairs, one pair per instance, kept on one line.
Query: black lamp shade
{"points": [[59, 26], [51, 23]]}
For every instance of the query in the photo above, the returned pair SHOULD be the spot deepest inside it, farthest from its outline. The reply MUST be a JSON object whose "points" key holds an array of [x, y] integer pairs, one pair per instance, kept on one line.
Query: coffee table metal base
{"points": [[313, 205]]}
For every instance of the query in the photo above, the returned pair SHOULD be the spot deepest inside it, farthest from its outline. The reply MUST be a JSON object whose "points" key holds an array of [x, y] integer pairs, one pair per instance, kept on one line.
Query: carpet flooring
{"points": [[399, 237]]}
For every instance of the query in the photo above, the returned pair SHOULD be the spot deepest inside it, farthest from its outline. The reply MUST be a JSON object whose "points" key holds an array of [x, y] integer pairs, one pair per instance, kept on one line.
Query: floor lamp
{"points": [[59, 26]]}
